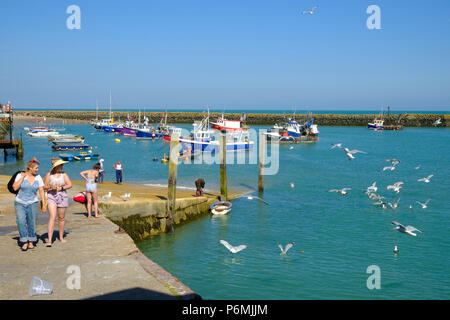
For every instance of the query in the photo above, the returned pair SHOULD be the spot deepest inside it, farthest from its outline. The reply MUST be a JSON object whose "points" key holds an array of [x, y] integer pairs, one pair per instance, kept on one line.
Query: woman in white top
{"points": [[56, 183], [26, 203]]}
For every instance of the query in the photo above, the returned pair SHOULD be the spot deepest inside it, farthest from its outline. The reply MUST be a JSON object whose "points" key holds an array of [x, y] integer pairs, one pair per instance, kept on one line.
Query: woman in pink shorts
{"points": [[56, 182]]}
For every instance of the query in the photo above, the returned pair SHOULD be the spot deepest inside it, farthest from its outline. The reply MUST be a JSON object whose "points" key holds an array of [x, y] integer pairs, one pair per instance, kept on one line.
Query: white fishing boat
{"points": [[292, 131], [204, 139]]}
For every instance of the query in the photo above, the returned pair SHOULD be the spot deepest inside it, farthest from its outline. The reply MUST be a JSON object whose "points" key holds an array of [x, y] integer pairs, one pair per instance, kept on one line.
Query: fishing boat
{"points": [[42, 133], [85, 156], [228, 125], [377, 124], [220, 207], [64, 136], [70, 146], [291, 131], [66, 156], [205, 138], [68, 141]]}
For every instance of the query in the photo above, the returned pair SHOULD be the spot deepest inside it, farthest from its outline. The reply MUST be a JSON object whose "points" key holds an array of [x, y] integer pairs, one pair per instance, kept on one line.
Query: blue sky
{"points": [[226, 54]]}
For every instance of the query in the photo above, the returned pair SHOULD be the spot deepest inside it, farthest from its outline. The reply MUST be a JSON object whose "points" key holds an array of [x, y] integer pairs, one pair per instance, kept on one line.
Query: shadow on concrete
{"points": [[142, 294]]}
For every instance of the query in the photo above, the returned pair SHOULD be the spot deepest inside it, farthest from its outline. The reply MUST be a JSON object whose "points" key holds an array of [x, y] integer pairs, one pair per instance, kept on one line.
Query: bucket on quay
{"points": [[39, 286]]}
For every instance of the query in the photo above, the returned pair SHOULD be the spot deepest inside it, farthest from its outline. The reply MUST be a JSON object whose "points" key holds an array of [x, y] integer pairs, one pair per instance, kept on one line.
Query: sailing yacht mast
{"points": [[110, 113], [96, 110]]}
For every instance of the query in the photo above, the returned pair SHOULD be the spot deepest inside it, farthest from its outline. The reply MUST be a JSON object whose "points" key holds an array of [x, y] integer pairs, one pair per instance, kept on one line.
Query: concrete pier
{"points": [[110, 264]]}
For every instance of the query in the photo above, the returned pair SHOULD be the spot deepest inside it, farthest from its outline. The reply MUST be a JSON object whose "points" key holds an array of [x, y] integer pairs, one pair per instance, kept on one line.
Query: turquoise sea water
{"points": [[340, 236]]}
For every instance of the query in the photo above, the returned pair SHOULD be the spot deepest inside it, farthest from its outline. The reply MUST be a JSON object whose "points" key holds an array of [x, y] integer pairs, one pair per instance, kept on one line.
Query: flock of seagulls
{"points": [[124, 197], [396, 187]]}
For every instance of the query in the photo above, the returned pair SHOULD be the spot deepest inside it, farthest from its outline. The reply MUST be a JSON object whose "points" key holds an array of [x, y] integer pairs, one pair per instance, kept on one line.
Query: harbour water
{"points": [[336, 237]]}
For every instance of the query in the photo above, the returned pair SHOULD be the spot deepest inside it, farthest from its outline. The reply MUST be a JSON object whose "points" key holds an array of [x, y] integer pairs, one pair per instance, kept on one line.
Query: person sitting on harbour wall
{"points": [[101, 171], [28, 183], [57, 182], [119, 172]]}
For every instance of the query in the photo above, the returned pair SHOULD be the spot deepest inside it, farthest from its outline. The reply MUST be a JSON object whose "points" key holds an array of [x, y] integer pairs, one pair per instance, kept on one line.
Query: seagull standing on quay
{"points": [[408, 229], [424, 205], [310, 11], [349, 153], [286, 248], [231, 248], [427, 179], [106, 196]]}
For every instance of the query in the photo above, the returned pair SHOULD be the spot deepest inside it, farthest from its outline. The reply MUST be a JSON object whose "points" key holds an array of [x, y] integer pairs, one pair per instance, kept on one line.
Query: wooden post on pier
{"points": [[172, 184], [262, 154], [223, 166]]}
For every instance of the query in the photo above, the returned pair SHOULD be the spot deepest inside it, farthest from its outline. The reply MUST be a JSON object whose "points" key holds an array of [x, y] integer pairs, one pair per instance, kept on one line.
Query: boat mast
{"points": [[110, 113], [96, 109]]}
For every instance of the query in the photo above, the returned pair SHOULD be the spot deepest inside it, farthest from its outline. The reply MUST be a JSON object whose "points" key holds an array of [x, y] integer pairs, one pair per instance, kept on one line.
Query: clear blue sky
{"points": [[227, 54]]}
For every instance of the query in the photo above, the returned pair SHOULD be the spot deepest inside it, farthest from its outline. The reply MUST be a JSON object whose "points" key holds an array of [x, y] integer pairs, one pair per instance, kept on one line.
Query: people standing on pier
{"points": [[91, 188], [101, 171], [28, 184], [56, 183], [119, 172]]}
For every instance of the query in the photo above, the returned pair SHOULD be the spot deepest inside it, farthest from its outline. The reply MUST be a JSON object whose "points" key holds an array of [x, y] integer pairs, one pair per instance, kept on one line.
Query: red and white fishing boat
{"points": [[229, 125]]}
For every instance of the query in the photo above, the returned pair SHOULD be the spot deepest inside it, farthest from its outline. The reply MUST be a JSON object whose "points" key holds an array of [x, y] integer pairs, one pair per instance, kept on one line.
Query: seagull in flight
{"points": [[310, 11], [395, 205], [409, 230], [393, 161], [392, 168], [349, 153], [424, 205], [286, 248], [396, 186], [437, 122], [341, 191], [373, 188], [257, 198], [427, 179], [231, 248], [418, 167], [291, 184], [337, 145]]}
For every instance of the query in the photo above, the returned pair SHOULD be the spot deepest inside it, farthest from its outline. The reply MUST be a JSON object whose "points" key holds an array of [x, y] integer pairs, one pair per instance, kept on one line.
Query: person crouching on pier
{"points": [[56, 183], [200, 185], [28, 183]]}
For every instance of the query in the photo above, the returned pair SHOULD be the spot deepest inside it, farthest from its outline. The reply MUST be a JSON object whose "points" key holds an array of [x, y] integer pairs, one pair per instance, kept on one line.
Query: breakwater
{"points": [[406, 119]]}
